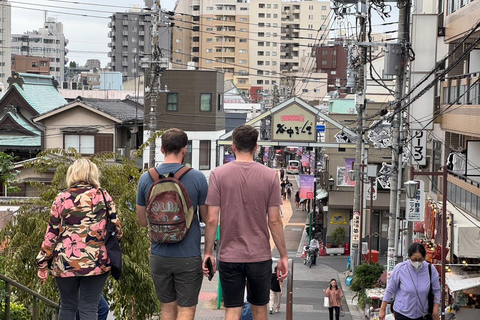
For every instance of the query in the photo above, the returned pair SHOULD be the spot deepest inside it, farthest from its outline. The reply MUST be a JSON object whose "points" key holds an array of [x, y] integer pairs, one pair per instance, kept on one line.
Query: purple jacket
{"points": [[404, 284]]}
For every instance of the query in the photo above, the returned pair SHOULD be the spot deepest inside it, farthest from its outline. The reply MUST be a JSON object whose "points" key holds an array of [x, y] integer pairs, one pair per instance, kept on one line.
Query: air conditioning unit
{"points": [[351, 110]]}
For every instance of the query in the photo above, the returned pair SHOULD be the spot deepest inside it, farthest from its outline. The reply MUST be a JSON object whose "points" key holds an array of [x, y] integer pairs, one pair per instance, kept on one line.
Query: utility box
{"points": [[393, 59]]}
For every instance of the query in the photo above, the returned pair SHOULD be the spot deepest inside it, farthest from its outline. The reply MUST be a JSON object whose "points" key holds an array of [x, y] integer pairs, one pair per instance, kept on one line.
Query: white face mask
{"points": [[416, 264]]}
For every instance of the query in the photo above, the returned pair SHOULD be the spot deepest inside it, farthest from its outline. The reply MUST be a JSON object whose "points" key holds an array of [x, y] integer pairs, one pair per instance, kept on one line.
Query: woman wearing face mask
{"points": [[410, 284]]}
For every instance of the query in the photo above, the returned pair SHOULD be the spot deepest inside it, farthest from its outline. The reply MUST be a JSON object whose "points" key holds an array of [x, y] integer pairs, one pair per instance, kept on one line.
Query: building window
{"points": [[324, 17], [188, 155], [242, 51], [220, 102], [324, 7], [34, 64], [333, 72], [243, 19], [85, 144], [242, 61], [204, 156], [172, 101], [206, 102], [259, 81], [209, 39], [305, 90], [243, 40]]}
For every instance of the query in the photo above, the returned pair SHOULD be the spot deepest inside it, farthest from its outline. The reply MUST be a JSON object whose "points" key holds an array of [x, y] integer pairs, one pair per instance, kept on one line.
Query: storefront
{"points": [[464, 289]]}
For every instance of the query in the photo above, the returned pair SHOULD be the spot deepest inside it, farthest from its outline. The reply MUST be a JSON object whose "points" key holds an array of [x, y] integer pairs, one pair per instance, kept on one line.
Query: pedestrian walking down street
{"points": [[410, 284], [335, 295], [276, 291], [297, 199], [176, 268], [74, 245], [244, 252], [282, 174]]}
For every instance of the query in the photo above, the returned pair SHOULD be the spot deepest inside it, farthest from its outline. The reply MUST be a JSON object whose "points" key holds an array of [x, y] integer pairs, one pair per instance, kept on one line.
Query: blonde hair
{"points": [[83, 170]]}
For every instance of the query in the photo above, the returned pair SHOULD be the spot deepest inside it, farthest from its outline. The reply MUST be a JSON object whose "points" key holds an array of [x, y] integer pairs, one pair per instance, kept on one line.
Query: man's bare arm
{"points": [[275, 225], [141, 216]]}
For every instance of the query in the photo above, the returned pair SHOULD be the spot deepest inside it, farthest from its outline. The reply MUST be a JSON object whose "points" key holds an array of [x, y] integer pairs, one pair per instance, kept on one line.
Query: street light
{"points": [[411, 193], [411, 189], [331, 183]]}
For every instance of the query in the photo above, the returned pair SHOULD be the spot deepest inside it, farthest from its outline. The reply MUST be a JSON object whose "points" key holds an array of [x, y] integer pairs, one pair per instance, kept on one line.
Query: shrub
{"points": [[365, 277], [17, 312]]}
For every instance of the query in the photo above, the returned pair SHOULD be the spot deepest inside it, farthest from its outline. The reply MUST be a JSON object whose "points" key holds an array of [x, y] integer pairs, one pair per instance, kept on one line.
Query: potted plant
{"points": [[338, 238]]}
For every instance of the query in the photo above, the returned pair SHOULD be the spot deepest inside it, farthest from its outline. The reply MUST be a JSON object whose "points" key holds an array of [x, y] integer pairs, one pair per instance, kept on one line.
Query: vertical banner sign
{"points": [[419, 146], [349, 166], [306, 186], [415, 210], [370, 190], [390, 262], [305, 160], [356, 228]]}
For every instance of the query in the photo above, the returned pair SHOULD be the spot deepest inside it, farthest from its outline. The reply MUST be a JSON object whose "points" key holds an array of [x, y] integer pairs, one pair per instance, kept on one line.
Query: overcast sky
{"points": [[87, 34], [85, 22]]}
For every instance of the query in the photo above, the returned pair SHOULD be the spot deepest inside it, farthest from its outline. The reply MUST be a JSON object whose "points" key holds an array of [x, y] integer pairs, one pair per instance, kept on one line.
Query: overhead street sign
{"points": [[320, 128]]}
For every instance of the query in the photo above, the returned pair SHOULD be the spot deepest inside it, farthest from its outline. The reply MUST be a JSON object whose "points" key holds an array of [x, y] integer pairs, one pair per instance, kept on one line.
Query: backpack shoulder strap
{"points": [[154, 174], [180, 172]]}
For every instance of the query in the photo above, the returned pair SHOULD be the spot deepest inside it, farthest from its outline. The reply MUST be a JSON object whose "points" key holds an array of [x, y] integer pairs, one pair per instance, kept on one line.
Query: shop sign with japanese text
{"points": [[356, 228], [294, 123], [419, 146], [415, 210]]}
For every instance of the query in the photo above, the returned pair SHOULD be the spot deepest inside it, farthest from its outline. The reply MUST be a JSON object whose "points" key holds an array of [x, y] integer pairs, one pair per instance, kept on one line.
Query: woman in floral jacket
{"points": [[74, 247]]}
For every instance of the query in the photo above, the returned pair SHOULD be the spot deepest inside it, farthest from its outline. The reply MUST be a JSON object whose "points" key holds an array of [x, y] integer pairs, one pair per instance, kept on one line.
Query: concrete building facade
{"points": [[255, 42], [131, 40], [48, 42], [5, 41], [27, 64]]}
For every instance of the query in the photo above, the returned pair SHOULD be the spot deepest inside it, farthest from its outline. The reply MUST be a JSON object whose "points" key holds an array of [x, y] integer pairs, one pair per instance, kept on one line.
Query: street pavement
{"points": [[308, 283]]}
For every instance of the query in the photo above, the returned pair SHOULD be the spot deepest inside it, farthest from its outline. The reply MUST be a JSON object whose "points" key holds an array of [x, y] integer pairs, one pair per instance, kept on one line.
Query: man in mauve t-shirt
{"points": [[245, 196]]}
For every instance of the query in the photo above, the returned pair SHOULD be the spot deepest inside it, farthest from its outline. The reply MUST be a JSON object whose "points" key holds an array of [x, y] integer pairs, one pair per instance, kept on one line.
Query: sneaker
{"points": [[278, 310], [271, 311]]}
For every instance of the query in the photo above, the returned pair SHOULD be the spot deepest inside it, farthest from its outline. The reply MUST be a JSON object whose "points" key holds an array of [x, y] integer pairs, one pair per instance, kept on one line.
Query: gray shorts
{"points": [[177, 279]]}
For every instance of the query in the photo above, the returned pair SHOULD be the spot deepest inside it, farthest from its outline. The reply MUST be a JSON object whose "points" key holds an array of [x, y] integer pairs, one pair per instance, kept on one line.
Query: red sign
{"points": [[293, 117]]}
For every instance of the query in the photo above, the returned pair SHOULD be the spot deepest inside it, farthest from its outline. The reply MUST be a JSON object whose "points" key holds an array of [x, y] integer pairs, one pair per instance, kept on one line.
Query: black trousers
{"points": [[337, 313], [399, 316]]}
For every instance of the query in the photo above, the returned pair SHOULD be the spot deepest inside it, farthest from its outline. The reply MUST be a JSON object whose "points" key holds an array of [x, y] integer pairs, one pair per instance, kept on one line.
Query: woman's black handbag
{"points": [[431, 296], [113, 246]]}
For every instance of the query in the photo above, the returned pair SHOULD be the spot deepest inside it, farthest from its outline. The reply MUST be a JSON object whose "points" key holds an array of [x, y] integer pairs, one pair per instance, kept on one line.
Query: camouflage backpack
{"points": [[169, 208]]}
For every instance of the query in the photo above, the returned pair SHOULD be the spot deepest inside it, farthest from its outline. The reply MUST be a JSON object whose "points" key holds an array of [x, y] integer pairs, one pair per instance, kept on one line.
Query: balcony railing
{"points": [[461, 192], [461, 89]]}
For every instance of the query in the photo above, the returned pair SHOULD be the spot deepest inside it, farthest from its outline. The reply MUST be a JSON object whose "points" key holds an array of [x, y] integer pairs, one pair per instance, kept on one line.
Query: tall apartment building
{"points": [[93, 63], [254, 43], [47, 42], [213, 36], [5, 41], [131, 40]]}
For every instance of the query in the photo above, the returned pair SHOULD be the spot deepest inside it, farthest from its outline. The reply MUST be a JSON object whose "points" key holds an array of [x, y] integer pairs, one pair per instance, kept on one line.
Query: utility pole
{"points": [[397, 141], [152, 91], [360, 107]]}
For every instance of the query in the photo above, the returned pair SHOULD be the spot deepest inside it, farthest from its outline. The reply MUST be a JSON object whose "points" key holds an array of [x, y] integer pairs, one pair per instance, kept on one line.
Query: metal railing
{"points": [[36, 296], [290, 290]]}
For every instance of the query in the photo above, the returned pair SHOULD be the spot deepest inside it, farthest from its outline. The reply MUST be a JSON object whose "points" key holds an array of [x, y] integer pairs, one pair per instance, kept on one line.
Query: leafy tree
{"points": [[366, 276], [73, 64], [7, 172], [133, 297]]}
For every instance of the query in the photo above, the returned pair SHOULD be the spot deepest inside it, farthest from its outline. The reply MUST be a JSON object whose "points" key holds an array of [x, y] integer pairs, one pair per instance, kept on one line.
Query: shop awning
{"points": [[466, 233], [458, 280]]}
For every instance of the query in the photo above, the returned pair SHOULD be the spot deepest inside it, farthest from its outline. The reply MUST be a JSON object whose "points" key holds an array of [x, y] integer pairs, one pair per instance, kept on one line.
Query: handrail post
{"points": [[35, 307], [290, 290], [7, 301]]}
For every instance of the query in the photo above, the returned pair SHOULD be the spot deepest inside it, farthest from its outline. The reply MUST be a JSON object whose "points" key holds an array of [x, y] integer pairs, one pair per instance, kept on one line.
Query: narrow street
{"points": [[308, 283]]}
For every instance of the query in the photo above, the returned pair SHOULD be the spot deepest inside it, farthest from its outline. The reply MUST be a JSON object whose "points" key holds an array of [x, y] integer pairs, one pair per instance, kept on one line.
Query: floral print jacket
{"points": [[74, 242]]}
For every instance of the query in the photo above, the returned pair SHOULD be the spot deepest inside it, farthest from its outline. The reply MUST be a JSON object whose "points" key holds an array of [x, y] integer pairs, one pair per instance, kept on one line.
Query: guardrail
{"points": [[290, 290], [36, 296]]}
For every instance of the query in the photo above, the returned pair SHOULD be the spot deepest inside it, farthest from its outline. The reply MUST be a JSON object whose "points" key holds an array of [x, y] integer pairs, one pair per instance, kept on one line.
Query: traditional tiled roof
{"points": [[124, 110], [20, 140], [40, 92]]}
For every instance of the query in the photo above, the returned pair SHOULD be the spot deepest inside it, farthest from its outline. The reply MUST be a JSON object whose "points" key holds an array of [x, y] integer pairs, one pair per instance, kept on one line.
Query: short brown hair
{"points": [[245, 138], [174, 140]]}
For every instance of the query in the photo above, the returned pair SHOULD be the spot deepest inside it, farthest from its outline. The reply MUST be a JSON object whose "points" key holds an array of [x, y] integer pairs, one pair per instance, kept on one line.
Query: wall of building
{"points": [[75, 117], [26, 64], [5, 41]]}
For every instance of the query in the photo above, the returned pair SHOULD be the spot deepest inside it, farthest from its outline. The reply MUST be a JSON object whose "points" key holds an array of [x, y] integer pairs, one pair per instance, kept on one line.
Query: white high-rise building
{"points": [[5, 41], [48, 42]]}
